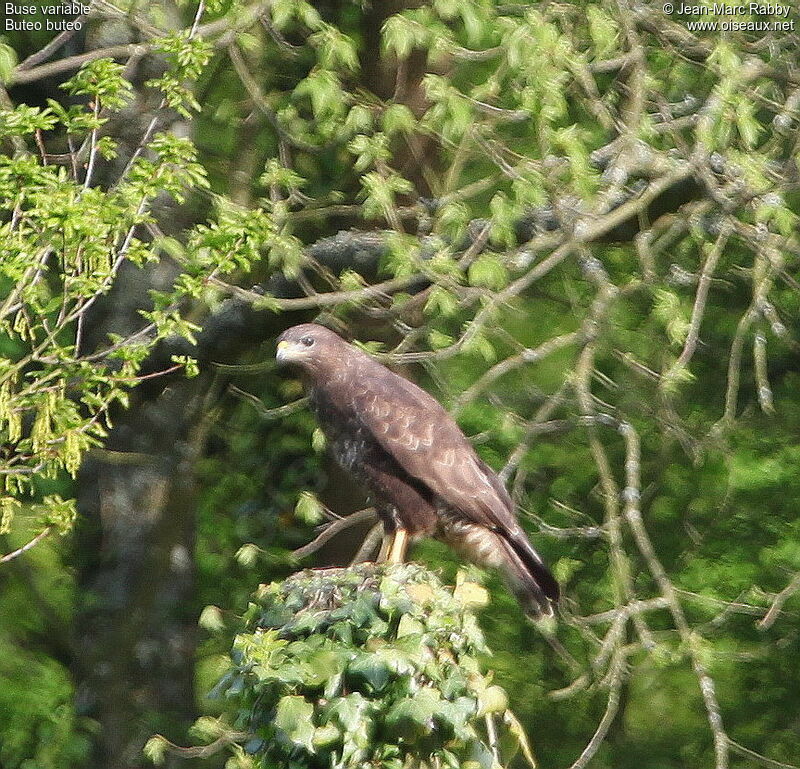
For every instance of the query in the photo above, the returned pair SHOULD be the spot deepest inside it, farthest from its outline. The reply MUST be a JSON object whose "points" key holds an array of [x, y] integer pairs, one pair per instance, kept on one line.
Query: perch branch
{"points": [[336, 527]]}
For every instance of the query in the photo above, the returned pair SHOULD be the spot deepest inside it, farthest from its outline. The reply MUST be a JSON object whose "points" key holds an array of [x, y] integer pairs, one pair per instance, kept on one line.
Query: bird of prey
{"points": [[420, 470]]}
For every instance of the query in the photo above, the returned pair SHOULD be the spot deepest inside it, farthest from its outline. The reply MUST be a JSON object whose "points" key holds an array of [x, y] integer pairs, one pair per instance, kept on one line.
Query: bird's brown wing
{"points": [[425, 441]]}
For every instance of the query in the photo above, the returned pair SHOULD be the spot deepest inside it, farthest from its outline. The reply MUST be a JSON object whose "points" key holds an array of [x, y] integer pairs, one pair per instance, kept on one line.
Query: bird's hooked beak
{"points": [[290, 352], [283, 353]]}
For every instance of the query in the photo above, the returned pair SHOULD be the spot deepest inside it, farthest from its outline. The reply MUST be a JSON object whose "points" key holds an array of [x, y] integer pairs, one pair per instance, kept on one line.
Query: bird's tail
{"points": [[528, 578]]}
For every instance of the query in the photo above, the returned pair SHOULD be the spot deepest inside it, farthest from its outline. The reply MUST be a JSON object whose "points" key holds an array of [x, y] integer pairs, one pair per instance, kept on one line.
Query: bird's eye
{"points": [[308, 341]]}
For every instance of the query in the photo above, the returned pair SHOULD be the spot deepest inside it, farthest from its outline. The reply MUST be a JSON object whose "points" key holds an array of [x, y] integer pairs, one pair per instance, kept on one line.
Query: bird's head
{"points": [[306, 345]]}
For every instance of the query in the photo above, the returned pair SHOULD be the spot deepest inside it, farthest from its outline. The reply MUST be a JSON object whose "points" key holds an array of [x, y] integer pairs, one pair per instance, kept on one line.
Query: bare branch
{"points": [[778, 602], [27, 546], [336, 527]]}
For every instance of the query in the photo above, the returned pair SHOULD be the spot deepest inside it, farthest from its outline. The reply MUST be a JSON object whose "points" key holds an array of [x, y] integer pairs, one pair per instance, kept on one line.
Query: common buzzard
{"points": [[421, 471]]}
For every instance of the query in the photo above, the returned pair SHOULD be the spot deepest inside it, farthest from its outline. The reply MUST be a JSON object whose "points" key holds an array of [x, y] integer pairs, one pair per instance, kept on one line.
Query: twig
{"points": [[764, 270], [762, 378], [491, 734], [369, 545], [263, 411], [778, 602], [698, 311], [634, 518], [620, 563], [260, 101], [634, 607], [27, 546], [204, 751], [771, 762], [385, 289], [612, 706], [45, 51], [336, 527], [533, 355]]}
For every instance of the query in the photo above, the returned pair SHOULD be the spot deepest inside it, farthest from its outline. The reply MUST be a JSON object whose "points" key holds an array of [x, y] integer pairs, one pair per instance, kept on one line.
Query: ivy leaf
{"points": [[413, 717], [350, 712], [471, 594], [325, 665], [294, 720], [371, 669]]}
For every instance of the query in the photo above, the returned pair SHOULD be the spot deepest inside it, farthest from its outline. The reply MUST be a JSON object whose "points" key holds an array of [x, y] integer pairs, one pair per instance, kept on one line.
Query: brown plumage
{"points": [[423, 474]]}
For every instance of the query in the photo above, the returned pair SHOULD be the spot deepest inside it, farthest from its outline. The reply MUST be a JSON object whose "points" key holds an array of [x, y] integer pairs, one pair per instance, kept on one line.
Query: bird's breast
{"points": [[349, 451]]}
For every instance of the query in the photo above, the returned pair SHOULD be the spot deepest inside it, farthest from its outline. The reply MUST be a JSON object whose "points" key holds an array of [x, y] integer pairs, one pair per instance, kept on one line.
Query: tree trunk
{"points": [[136, 631]]}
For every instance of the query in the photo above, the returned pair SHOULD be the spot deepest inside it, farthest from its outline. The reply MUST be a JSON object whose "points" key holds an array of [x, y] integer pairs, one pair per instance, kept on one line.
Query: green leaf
{"points": [[413, 718], [324, 89], [397, 36], [8, 507], [318, 441], [335, 49], [327, 736], [294, 720], [516, 730], [565, 568], [492, 700], [280, 176], [308, 508], [504, 217], [488, 271], [479, 344], [439, 340], [409, 626], [398, 118], [325, 665], [351, 712], [359, 119], [8, 60], [441, 302], [211, 619], [603, 30], [155, 749], [247, 554], [669, 310], [102, 80], [371, 669]]}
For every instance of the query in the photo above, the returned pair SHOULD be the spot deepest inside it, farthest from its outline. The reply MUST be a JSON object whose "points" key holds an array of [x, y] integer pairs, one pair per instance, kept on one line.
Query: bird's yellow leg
{"points": [[386, 545], [397, 551]]}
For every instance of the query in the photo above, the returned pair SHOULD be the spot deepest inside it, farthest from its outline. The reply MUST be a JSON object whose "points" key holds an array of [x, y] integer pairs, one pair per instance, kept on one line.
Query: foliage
{"points": [[366, 666], [39, 725], [62, 242]]}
